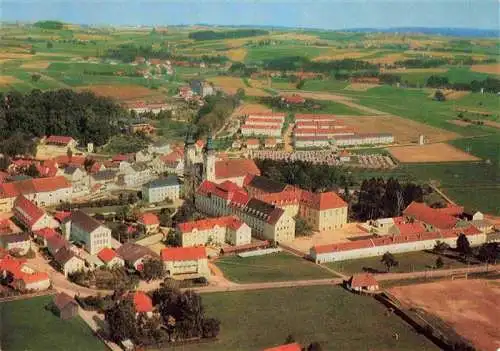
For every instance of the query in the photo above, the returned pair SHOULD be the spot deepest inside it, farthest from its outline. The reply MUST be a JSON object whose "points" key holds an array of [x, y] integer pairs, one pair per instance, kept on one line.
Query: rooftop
{"points": [[183, 253]]}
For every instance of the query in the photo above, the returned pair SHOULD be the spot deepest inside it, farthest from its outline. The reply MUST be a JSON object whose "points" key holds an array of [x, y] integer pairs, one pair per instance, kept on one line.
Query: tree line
{"points": [[230, 34], [83, 115], [489, 85], [295, 63]]}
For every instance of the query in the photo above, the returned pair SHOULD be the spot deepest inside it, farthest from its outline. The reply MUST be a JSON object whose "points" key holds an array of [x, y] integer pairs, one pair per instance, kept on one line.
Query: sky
{"points": [[326, 14]]}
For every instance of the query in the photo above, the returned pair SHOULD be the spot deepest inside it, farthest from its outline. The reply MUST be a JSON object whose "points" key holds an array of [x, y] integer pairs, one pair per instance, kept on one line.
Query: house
{"points": [[43, 234], [185, 260], [217, 231], [24, 278], [74, 174], [64, 306], [162, 189], [134, 255], [33, 218], [65, 160], [80, 227], [431, 217], [344, 156], [293, 99], [19, 243], [55, 243], [42, 191], [363, 282], [172, 162], [142, 303], [202, 88], [234, 170], [150, 222], [270, 143], [59, 141], [253, 144], [106, 176], [110, 258], [136, 175], [159, 148], [8, 227], [287, 347], [68, 261]]}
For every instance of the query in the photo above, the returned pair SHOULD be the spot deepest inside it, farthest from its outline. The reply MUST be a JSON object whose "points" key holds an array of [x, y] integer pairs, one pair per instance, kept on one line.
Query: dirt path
{"points": [[287, 138]]}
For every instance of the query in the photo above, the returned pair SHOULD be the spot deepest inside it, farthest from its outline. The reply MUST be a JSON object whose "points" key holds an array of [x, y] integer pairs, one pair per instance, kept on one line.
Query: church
{"points": [[202, 164]]}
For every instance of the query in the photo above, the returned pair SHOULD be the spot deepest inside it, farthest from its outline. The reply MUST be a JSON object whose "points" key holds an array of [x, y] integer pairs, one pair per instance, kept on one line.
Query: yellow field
{"points": [[491, 69], [295, 36], [360, 86], [342, 54], [36, 65], [439, 152], [231, 84], [11, 55], [6, 80], [237, 54]]}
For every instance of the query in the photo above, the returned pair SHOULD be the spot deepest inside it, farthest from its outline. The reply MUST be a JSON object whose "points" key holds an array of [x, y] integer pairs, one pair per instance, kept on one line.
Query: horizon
{"points": [[318, 15]]}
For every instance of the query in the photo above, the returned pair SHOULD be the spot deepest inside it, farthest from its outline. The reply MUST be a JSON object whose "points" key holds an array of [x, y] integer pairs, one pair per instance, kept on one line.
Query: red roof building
{"points": [[27, 212], [183, 253], [142, 302], [149, 219], [232, 222], [234, 168], [64, 160], [430, 216], [24, 279], [363, 281], [59, 140], [287, 347], [32, 186], [294, 99], [106, 255]]}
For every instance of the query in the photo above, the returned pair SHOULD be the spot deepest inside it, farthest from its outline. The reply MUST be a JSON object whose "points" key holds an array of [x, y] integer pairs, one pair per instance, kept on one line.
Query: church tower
{"points": [[209, 160], [189, 171]]}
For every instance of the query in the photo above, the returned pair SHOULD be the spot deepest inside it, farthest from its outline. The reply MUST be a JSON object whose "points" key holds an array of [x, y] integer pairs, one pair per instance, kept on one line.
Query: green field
{"points": [[408, 262], [27, 325], [256, 54], [273, 267], [338, 320]]}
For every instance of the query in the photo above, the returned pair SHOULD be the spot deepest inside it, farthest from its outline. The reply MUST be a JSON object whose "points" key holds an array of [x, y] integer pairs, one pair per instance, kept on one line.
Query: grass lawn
{"points": [[274, 52], [273, 267], [408, 262], [324, 85], [27, 325], [338, 320]]}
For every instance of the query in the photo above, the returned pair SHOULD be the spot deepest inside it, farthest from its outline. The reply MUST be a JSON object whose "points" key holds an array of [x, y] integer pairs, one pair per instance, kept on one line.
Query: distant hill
{"points": [[454, 32], [49, 24]]}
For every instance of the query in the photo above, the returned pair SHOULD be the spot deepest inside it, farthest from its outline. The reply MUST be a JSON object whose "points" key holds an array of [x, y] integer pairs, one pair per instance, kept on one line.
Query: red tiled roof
{"points": [[410, 228], [323, 131], [45, 232], [253, 142], [269, 114], [149, 219], [14, 266], [455, 232], [122, 157], [262, 120], [314, 116], [452, 210], [142, 302], [294, 99], [59, 139], [27, 212], [183, 253], [235, 168], [270, 141], [232, 222], [429, 215], [106, 254], [322, 201], [96, 167], [288, 347], [346, 246], [200, 143], [64, 160], [47, 169], [262, 126], [363, 280], [62, 215]]}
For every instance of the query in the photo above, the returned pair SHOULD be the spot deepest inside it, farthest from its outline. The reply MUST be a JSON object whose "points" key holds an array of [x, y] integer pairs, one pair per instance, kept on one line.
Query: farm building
{"points": [[363, 282], [64, 306]]}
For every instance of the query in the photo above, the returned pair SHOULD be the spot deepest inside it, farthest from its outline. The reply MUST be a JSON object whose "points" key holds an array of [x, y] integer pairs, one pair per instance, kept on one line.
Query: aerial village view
{"points": [[233, 175]]}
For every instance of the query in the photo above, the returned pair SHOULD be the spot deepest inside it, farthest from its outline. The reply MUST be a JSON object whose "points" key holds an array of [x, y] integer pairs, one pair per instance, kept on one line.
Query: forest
{"points": [[82, 115], [230, 34]]}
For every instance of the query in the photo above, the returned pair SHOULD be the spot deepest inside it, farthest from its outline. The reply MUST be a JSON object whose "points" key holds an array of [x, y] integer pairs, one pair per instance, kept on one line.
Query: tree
{"points": [[35, 77], [69, 153], [50, 45], [210, 327], [463, 246], [439, 96], [302, 227], [389, 261], [165, 217], [440, 247], [153, 269], [489, 252], [289, 339], [121, 320], [174, 239], [300, 84], [88, 163], [240, 93], [31, 171], [439, 262]]}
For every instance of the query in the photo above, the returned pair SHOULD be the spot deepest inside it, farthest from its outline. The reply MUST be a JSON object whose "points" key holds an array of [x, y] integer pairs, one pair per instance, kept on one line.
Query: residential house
{"points": [[80, 227], [33, 218], [215, 231], [134, 255], [363, 282], [104, 177], [65, 161], [202, 88], [150, 222], [68, 262], [64, 142], [185, 261], [24, 278], [55, 243], [162, 189], [42, 191], [75, 175], [110, 258], [136, 175], [64, 306], [253, 144], [41, 236], [19, 243]]}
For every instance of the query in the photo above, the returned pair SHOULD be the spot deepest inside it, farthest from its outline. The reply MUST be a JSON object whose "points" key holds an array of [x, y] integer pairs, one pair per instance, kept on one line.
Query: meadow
{"points": [[273, 267], [338, 320], [27, 325]]}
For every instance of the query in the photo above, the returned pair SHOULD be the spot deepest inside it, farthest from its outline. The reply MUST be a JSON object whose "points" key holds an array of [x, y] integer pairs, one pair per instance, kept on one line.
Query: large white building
{"points": [[162, 189], [191, 261], [79, 226], [217, 231]]}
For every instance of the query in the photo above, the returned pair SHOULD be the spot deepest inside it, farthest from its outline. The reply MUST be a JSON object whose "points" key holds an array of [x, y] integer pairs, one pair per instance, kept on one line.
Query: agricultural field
{"points": [[408, 262], [469, 306], [231, 84], [273, 267], [326, 314], [438, 152], [27, 325]]}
